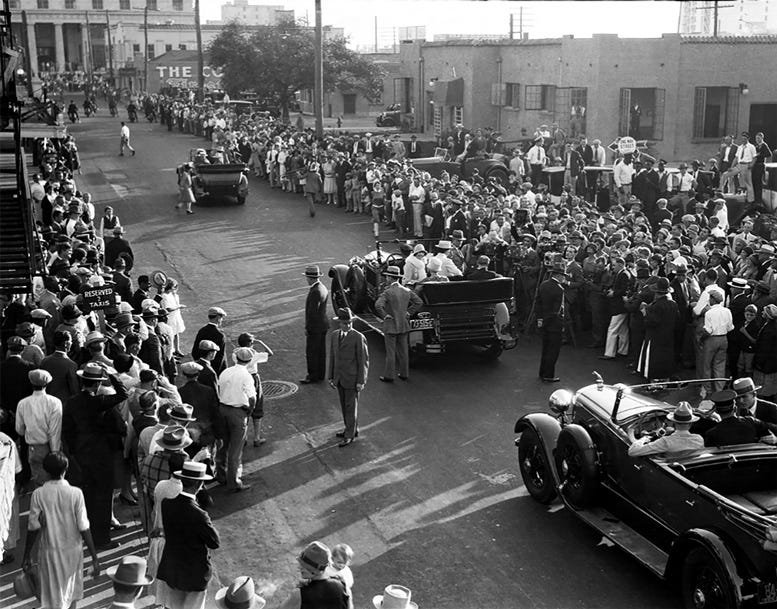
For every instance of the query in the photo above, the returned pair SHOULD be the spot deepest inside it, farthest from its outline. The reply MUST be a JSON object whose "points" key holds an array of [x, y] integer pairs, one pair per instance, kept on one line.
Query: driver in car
{"points": [[680, 443]]}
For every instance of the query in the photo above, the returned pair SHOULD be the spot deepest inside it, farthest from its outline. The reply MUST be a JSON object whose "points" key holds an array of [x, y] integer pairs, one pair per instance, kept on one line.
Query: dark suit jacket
{"points": [[349, 361], [316, 318], [481, 275], [726, 161], [123, 286], [204, 400], [550, 299], [11, 391], [117, 246], [620, 287], [189, 534], [576, 164], [587, 154], [458, 141], [766, 411], [208, 376], [399, 303], [64, 381], [736, 430], [151, 352], [211, 332]]}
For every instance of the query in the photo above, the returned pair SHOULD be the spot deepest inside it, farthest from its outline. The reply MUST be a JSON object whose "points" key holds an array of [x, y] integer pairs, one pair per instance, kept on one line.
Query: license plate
{"points": [[767, 593], [421, 324]]}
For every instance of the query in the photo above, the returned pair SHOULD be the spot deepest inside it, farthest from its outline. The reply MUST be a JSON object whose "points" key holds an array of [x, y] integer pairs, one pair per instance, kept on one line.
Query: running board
{"points": [[626, 538]]}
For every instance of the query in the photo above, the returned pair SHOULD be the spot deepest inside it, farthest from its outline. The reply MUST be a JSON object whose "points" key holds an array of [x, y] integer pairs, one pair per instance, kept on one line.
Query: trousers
{"points": [[617, 335], [349, 406], [551, 347], [713, 360], [397, 355], [229, 460], [315, 354]]}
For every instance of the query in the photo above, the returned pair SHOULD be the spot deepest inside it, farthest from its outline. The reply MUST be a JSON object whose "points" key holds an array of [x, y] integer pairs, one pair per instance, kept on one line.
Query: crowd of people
{"points": [[657, 273]]}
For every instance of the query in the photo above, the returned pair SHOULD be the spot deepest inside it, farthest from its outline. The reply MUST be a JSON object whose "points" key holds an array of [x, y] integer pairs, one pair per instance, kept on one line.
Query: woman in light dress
{"points": [[171, 302], [59, 525], [330, 183]]}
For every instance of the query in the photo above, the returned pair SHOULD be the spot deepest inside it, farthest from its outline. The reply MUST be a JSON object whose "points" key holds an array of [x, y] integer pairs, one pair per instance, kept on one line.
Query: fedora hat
{"points": [[193, 470], [457, 234], [682, 414], [158, 278], [92, 372], [344, 314], [174, 437], [662, 286], [394, 597], [131, 571], [240, 594], [392, 271], [444, 244], [312, 270], [744, 386], [94, 337], [315, 557], [123, 320], [182, 412]]}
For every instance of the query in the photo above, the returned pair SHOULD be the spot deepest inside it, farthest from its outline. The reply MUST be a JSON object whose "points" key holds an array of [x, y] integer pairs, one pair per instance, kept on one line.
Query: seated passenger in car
{"points": [[680, 443], [734, 429]]}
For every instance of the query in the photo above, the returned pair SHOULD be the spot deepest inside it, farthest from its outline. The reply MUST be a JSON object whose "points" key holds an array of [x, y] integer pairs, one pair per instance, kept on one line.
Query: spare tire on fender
{"points": [[578, 467]]}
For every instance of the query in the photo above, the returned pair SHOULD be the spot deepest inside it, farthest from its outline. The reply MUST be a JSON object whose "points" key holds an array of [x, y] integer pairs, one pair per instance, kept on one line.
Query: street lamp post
{"points": [[200, 59]]}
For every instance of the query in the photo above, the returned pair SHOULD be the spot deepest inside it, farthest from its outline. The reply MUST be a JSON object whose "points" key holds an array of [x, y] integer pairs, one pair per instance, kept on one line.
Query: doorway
{"points": [[763, 117], [349, 103]]}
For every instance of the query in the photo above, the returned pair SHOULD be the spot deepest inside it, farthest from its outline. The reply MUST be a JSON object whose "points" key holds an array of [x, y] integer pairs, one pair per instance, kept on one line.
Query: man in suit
{"points": [[185, 567], [550, 319], [347, 368], [123, 283], [141, 294], [750, 405], [702, 178], [395, 305], [573, 167], [212, 332], [89, 427], [598, 159], [413, 149], [734, 429], [205, 402], [685, 291], [208, 375], [458, 139], [151, 349], [64, 383], [316, 326], [618, 330], [118, 246], [728, 154]]}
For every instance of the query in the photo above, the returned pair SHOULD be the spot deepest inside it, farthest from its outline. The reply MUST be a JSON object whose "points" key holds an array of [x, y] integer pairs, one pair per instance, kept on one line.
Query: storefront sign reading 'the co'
{"points": [[179, 69]]}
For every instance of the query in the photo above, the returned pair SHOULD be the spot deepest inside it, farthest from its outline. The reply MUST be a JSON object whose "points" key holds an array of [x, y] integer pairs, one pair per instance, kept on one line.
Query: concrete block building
{"points": [[681, 93]]}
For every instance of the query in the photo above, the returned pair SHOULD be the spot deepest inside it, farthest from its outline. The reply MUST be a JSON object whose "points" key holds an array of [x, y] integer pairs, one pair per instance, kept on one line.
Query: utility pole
{"points": [[511, 26], [145, 47], [28, 53], [318, 88], [376, 33], [88, 51], [714, 8], [200, 58], [110, 47]]}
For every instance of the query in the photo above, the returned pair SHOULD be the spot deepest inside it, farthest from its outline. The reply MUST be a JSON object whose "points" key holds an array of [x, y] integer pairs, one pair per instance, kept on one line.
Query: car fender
{"points": [[547, 429], [711, 542]]}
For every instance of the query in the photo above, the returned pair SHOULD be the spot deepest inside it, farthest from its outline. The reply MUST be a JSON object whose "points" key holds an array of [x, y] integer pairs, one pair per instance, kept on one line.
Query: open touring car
{"points": [[707, 523]]}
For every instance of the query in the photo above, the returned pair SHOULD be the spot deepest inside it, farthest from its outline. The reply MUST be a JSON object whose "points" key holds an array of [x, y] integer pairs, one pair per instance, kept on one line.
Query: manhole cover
{"points": [[274, 390]]}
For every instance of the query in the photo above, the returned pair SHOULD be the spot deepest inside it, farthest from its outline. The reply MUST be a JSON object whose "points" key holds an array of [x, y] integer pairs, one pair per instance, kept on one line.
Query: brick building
{"points": [[681, 93]]}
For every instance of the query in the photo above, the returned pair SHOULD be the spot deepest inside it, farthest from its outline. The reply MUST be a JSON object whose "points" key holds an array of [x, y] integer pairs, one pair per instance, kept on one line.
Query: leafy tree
{"points": [[275, 61]]}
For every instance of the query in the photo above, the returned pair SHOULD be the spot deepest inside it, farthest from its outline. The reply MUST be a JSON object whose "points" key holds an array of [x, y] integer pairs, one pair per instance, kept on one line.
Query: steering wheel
{"points": [[394, 259], [637, 430]]}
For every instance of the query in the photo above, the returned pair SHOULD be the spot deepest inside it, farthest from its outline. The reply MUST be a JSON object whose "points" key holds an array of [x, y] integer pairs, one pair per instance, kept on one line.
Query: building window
{"points": [[151, 4], [70, 4], [715, 111], [150, 51], [540, 97], [458, 115], [136, 48], [168, 47], [642, 113], [13, 4], [43, 3], [97, 5], [124, 5], [177, 5], [513, 95], [181, 47]]}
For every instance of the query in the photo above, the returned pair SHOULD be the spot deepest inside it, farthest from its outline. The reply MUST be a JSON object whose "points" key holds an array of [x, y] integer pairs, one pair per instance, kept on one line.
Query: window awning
{"points": [[33, 131], [449, 92]]}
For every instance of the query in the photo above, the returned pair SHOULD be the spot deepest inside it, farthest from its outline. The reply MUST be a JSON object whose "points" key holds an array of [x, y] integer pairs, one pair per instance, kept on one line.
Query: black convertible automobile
{"points": [[488, 166], [706, 523]]}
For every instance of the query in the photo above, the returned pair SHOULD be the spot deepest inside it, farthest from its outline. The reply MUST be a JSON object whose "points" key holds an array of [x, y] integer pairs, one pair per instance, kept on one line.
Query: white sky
{"points": [[548, 19]]}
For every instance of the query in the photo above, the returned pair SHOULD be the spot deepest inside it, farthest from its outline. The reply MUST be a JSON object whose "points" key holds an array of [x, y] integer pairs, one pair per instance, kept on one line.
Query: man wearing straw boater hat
{"points": [[316, 326], [394, 597], [680, 443], [185, 568]]}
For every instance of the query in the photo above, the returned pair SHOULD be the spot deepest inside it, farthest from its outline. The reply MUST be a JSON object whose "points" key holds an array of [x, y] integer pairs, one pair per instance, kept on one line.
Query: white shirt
{"points": [[746, 153], [675, 445], [415, 270], [536, 155], [39, 419], [623, 174], [599, 156], [236, 386], [125, 132], [704, 298], [516, 166], [686, 182], [416, 194], [718, 320]]}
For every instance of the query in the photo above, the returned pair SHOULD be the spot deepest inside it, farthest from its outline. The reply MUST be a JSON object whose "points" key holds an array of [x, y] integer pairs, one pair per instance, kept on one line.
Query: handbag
{"points": [[27, 584]]}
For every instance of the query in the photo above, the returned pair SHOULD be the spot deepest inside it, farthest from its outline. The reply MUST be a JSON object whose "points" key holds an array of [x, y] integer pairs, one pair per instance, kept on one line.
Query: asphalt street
{"points": [[430, 495]]}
